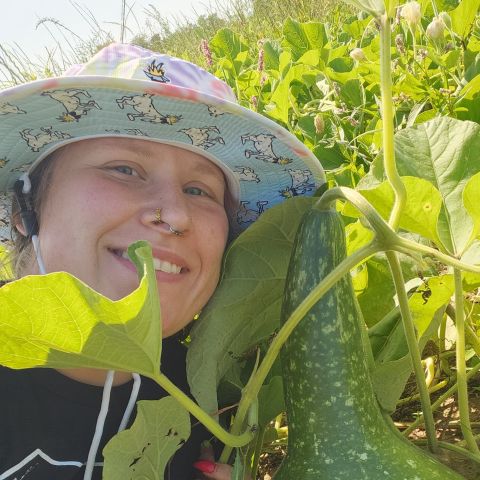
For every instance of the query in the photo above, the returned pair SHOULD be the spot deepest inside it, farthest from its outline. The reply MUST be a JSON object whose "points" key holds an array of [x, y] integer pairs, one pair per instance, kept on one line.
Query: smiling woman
{"points": [[112, 188], [131, 146]]}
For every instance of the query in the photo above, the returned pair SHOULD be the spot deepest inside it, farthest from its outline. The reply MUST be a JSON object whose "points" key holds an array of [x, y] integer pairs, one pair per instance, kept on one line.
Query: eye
{"points": [[196, 191], [125, 170]]}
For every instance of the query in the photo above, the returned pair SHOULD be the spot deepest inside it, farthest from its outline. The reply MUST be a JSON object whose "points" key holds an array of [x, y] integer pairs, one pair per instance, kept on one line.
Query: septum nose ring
{"points": [[158, 220]]}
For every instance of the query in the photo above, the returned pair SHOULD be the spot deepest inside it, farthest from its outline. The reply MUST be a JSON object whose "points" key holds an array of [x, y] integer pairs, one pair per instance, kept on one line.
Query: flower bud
{"points": [[400, 44], [319, 123], [435, 29], [358, 55], [445, 17], [205, 49], [412, 13]]}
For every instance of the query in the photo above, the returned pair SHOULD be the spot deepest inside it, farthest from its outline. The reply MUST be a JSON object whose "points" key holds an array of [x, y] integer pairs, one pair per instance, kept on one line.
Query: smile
{"points": [[159, 265]]}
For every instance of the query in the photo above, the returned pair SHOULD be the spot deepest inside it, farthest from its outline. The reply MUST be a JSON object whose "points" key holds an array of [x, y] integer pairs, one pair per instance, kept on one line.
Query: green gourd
{"points": [[336, 430]]}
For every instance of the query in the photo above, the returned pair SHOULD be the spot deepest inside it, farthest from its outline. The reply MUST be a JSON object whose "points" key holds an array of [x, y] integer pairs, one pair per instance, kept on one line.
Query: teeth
{"points": [[161, 265], [166, 267]]}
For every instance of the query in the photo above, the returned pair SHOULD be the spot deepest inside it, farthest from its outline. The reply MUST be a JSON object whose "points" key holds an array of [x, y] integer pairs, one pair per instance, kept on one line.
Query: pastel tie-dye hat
{"points": [[128, 91]]}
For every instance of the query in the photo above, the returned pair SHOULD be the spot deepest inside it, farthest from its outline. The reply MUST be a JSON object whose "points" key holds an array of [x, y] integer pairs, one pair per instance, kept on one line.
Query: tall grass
{"points": [[253, 19], [179, 36]]}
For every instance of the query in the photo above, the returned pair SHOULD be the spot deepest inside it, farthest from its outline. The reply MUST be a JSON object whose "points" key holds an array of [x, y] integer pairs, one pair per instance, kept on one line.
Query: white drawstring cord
{"points": [[131, 402], [102, 415], [26, 188], [38, 254]]}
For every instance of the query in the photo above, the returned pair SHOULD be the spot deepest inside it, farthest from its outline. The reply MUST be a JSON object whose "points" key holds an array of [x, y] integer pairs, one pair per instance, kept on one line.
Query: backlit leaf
{"points": [[302, 37], [443, 151], [422, 209], [463, 16], [56, 320], [161, 427], [471, 201]]}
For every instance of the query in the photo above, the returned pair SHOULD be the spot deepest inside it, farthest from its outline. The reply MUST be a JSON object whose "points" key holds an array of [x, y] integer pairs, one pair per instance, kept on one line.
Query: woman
{"points": [[131, 145]]}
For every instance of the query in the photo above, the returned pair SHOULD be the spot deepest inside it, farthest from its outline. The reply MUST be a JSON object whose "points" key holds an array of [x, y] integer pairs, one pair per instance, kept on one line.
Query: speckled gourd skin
{"points": [[335, 428]]}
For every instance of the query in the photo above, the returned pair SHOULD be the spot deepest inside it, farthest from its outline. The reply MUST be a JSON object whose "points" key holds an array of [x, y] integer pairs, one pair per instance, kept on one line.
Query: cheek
{"points": [[214, 248], [73, 219], [80, 205]]}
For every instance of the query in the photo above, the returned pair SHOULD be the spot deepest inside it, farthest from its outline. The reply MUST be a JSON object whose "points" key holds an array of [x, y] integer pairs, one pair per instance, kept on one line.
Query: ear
{"points": [[20, 228]]}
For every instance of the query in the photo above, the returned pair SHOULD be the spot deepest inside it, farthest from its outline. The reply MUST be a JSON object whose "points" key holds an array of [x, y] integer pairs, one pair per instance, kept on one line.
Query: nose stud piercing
{"points": [[158, 220], [158, 216], [179, 233]]}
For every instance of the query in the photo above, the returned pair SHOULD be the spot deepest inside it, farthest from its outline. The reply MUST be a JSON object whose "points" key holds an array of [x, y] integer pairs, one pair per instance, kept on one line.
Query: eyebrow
{"points": [[209, 169], [205, 166]]}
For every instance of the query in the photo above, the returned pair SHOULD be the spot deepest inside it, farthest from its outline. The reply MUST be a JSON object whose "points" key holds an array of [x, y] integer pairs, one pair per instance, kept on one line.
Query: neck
{"points": [[93, 376]]}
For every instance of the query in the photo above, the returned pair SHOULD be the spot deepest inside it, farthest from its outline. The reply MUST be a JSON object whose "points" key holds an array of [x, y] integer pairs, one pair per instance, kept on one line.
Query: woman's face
{"points": [[103, 196]]}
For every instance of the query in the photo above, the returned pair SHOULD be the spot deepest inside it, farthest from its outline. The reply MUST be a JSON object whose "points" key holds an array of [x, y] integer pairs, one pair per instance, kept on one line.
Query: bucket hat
{"points": [[131, 92]]}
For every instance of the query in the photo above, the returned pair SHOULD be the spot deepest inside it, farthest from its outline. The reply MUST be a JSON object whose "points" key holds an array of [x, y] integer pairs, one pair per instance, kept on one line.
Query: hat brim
{"points": [[262, 162]]}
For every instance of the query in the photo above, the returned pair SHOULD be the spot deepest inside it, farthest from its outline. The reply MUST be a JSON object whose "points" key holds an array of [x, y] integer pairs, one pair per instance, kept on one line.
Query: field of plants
{"points": [[387, 96]]}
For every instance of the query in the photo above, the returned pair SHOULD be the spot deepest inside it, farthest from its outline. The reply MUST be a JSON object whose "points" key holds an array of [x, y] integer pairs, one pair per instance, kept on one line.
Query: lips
{"points": [[159, 264]]}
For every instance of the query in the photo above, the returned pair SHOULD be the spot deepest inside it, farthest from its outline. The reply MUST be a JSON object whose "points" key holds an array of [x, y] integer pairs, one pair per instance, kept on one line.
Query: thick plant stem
{"points": [[408, 247], [387, 119], [412, 342], [461, 365], [251, 390], [201, 415]]}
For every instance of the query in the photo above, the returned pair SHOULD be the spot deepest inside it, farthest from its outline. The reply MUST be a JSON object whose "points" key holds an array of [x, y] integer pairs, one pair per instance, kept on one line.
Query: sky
{"points": [[20, 17]]}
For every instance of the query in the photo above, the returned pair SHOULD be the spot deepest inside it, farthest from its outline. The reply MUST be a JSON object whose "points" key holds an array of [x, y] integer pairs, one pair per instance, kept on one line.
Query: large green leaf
{"points": [[5, 267], [421, 211], [271, 55], [143, 451], [472, 255], [270, 401], [464, 16], [301, 37], [282, 99], [229, 45], [468, 105], [393, 364], [56, 320], [472, 204], [378, 299], [246, 305], [443, 151]]}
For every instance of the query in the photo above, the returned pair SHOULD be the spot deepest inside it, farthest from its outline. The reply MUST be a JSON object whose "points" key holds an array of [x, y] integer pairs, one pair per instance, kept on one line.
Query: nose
{"points": [[169, 214]]}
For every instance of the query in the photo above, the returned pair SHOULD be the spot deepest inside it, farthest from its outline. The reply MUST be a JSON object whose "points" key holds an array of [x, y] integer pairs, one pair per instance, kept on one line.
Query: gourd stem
{"points": [[384, 233], [461, 365], [412, 343], [201, 415], [387, 121], [404, 245], [440, 400], [251, 390]]}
